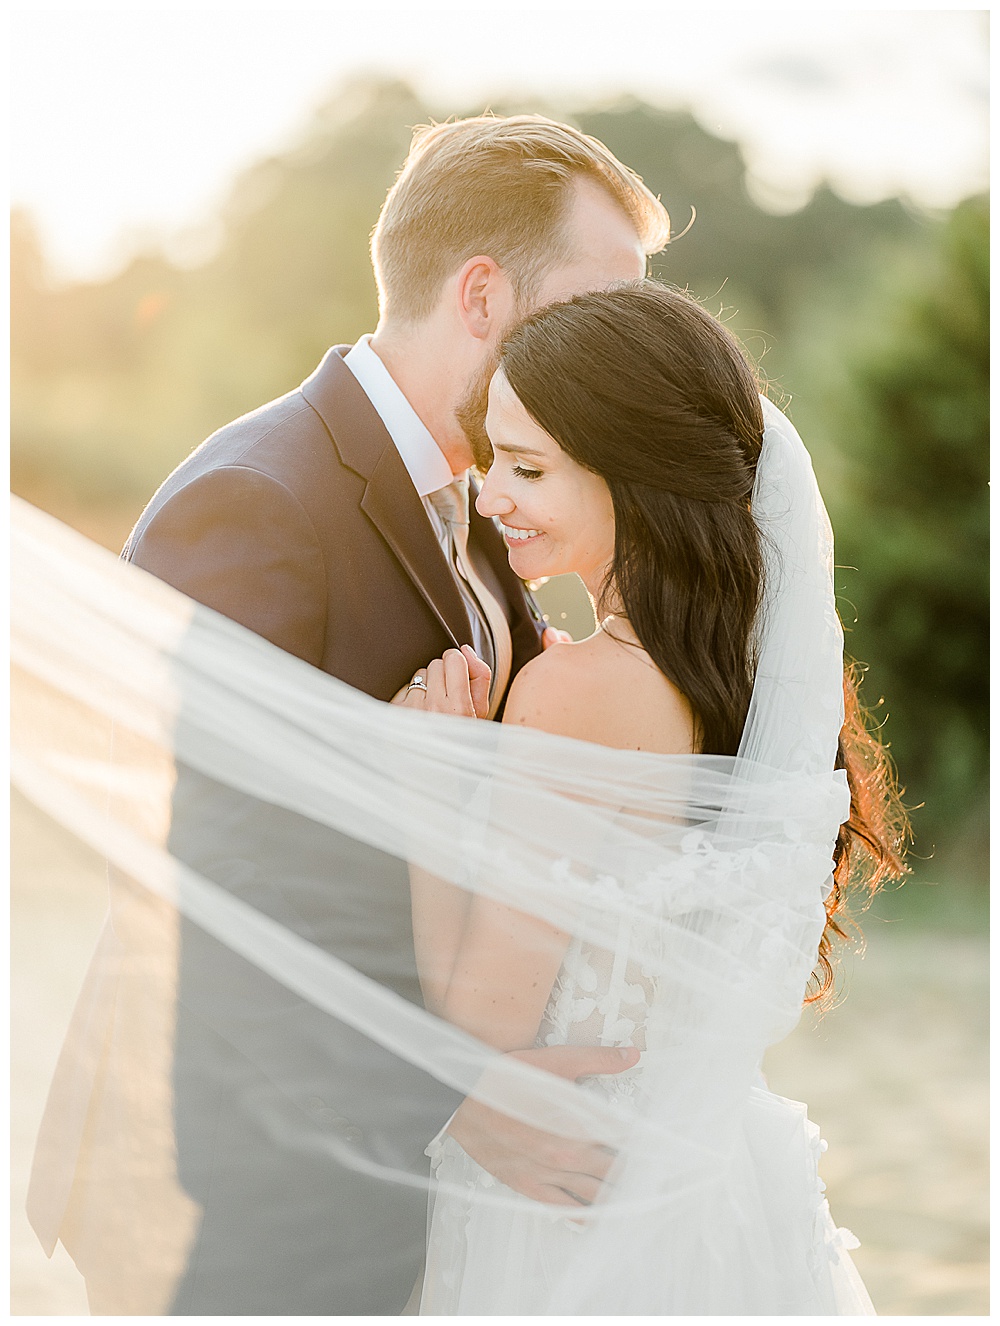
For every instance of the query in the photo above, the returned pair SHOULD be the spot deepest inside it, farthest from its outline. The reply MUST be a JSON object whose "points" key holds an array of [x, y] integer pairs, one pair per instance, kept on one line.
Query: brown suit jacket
{"points": [[300, 522], [197, 1152]]}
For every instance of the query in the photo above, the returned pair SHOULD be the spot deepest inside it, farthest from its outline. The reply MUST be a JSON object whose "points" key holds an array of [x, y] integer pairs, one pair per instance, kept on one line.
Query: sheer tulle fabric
{"points": [[260, 818]]}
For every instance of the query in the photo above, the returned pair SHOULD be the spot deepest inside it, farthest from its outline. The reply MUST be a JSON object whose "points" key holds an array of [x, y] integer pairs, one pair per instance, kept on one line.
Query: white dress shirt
{"points": [[423, 458]]}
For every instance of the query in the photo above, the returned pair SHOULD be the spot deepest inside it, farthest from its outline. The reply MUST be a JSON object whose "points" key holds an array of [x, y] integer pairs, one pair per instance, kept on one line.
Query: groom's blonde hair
{"points": [[499, 186]]}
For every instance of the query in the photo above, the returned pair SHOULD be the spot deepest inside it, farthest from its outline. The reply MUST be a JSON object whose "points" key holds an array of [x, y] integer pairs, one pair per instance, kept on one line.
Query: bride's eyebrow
{"points": [[520, 451]]}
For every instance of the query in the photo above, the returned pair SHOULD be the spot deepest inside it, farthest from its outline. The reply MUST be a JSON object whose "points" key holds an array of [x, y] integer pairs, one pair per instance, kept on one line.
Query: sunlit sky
{"points": [[129, 123]]}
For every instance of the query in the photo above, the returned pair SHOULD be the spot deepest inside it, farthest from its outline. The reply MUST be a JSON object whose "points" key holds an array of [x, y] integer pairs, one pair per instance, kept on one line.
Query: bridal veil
{"points": [[259, 818]]}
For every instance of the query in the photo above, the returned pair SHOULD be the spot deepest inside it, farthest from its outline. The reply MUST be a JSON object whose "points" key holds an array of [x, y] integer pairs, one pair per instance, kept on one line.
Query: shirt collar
{"points": [[423, 458]]}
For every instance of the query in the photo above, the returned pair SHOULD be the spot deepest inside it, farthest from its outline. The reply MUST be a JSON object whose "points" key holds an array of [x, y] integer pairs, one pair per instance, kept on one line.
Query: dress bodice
{"points": [[600, 997]]}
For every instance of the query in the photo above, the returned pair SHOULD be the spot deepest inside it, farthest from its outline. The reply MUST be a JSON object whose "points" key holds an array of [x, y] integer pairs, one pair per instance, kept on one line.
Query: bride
{"points": [[653, 851], [631, 447]]}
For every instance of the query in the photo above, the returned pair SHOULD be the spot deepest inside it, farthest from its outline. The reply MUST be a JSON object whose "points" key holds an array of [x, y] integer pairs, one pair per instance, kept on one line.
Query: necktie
{"points": [[452, 505]]}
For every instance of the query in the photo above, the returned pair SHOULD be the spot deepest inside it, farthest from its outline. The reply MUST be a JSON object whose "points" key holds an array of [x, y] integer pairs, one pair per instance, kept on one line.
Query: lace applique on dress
{"points": [[600, 998]]}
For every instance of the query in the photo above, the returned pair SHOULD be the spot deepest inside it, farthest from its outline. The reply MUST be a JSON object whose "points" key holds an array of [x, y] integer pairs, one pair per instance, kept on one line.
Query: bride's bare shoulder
{"points": [[538, 693], [601, 691]]}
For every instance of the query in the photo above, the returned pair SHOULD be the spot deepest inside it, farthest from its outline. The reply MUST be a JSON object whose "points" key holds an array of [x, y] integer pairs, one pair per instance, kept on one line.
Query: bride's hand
{"points": [[458, 683]]}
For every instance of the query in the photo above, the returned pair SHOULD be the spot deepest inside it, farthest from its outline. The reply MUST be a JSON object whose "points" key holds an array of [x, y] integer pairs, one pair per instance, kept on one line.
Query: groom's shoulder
{"points": [[276, 436], [282, 445], [290, 435]]}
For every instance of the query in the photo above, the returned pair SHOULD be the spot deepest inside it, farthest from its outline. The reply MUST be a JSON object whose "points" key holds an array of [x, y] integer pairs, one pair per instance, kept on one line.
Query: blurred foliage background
{"points": [[869, 324]]}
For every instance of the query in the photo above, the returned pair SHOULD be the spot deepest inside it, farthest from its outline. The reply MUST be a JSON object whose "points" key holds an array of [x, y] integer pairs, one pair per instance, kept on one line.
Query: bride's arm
{"points": [[484, 966], [504, 970], [458, 683], [505, 961], [440, 911]]}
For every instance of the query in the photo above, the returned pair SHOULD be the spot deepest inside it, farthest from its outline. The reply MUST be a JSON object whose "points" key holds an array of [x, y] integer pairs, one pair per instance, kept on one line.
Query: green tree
{"points": [[901, 391], [876, 318], [736, 256], [116, 381]]}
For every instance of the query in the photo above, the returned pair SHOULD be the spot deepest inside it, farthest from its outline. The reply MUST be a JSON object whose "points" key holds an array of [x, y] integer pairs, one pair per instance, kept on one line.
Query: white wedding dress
{"points": [[505, 1260], [715, 1204]]}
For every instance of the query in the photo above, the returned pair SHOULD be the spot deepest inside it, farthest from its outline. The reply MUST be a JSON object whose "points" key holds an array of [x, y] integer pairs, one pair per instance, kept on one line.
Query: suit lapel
{"points": [[390, 500], [391, 503]]}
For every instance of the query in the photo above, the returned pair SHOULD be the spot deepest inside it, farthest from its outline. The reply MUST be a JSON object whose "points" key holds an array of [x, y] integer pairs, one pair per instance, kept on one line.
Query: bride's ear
{"points": [[484, 297]]}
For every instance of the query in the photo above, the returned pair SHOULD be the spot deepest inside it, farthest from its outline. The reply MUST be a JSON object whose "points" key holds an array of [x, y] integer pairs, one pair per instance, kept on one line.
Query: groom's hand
{"points": [[542, 1165]]}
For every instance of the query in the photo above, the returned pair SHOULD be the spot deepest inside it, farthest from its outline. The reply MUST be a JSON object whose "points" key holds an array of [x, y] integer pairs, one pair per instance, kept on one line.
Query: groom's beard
{"points": [[471, 413], [471, 409]]}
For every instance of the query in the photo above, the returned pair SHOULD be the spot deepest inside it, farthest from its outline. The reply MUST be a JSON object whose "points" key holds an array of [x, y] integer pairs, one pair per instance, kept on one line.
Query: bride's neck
{"points": [[620, 628]]}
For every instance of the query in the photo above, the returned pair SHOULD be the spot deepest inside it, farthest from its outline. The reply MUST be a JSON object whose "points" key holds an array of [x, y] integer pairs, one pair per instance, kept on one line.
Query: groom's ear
{"points": [[484, 297]]}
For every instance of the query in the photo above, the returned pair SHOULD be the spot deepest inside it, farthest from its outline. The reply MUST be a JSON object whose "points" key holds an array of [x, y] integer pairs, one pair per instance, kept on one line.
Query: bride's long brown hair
{"points": [[643, 387]]}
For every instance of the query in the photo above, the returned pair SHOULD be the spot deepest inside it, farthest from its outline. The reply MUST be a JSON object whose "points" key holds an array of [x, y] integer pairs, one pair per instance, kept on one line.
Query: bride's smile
{"points": [[556, 515], [515, 535]]}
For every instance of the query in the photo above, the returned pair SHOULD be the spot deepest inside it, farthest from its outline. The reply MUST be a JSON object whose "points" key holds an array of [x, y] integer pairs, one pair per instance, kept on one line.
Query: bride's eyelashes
{"points": [[523, 473]]}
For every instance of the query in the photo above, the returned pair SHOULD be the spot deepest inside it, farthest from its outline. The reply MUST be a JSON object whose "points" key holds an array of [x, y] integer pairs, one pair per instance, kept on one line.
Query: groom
{"points": [[320, 521]]}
